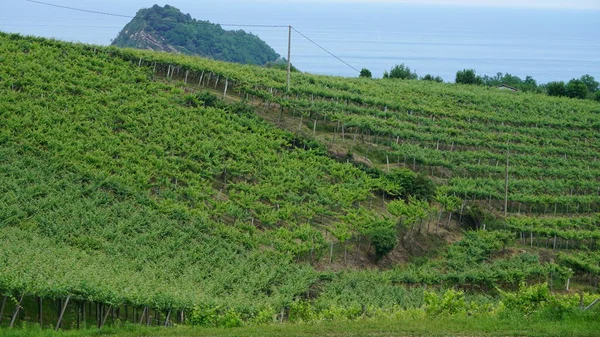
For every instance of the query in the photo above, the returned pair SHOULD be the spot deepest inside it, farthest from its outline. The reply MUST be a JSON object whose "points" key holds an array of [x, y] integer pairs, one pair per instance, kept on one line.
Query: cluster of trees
{"points": [[169, 29], [584, 87], [403, 72]]}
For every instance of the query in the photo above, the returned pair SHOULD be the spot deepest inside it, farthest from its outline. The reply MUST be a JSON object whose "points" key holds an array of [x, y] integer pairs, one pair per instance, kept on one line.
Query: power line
{"points": [[80, 10], [160, 20], [195, 22], [325, 50]]}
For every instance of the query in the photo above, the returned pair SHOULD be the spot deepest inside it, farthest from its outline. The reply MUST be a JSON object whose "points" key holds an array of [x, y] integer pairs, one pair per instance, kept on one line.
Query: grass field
{"points": [[415, 326]]}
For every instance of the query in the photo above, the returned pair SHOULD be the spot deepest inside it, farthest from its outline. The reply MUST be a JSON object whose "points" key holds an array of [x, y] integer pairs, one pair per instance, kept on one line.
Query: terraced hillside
{"points": [[126, 184]]}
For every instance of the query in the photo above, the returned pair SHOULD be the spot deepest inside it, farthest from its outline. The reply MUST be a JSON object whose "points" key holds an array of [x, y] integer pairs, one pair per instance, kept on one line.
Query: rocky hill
{"points": [[168, 29]]}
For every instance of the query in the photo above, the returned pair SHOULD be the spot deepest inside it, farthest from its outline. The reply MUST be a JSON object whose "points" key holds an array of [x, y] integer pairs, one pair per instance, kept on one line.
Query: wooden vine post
{"points": [[2, 308], [16, 312], [62, 313], [40, 311]]}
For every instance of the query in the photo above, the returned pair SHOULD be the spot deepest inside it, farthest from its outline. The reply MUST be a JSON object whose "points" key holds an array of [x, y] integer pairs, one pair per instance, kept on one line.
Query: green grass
{"points": [[404, 326]]}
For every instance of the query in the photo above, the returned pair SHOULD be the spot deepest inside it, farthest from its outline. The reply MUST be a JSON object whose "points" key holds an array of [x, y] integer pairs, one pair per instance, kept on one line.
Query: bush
{"points": [[191, 101], [450, 303], [429, 77], [468, 76], [383, 239], [576, 89], [215, 317], [264, 316], [590, 82], [402, 72], [208, 99], [556, 89], [527, 299], [302, 311], [366, 73], [405, 183]]}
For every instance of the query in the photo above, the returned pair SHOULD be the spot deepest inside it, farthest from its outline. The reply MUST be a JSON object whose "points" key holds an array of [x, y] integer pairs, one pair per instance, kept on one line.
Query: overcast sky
{"points": [[574, 4]]}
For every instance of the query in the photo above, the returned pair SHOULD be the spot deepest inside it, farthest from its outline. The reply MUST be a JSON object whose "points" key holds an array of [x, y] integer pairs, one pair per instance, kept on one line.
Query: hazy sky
{"points": [[574, 4]]}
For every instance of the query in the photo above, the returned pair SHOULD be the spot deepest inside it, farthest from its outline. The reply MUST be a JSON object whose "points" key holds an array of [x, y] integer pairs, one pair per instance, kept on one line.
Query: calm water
{"points": [[546, 44]]}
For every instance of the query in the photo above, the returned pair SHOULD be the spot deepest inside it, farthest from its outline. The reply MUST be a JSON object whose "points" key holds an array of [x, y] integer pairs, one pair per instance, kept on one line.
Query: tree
{"points": [[402, 183], [383, 238], [576, 89], [556, 88], [597, 96], [402, 72], [591, 83], [430, 77], [468, 76], [530, 84], [366, 73]]}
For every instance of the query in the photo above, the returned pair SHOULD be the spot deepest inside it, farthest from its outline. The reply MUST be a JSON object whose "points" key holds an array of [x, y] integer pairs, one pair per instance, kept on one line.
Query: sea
{"points": [[340, 37]]}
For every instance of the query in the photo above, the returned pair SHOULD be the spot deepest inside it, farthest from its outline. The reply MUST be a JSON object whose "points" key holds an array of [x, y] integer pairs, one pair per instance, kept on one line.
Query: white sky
{"points": [[572, 4]]}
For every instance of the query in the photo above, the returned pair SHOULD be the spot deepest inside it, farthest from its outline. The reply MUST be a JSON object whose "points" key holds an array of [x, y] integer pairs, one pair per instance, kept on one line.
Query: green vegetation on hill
{"points": [[127, 182], [168, 29]]}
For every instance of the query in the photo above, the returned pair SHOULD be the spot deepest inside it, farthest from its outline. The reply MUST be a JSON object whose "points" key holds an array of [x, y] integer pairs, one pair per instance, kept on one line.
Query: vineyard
{"points": [[151, 188]]}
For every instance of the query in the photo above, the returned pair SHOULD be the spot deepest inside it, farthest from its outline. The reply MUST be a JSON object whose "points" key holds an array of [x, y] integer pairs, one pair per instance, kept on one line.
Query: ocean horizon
{"points": [[547, 44]]}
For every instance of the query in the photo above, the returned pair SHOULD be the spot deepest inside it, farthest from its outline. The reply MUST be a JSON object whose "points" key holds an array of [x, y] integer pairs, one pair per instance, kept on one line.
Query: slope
{"points": [[126, 184]]}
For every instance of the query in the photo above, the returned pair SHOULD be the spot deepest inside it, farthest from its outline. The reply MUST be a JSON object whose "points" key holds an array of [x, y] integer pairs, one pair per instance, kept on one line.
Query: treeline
{"points": [[585, 87], [168, 29]]}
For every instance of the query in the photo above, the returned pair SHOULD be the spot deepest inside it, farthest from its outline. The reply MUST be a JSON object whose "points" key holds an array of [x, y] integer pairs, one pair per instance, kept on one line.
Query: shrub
{"points": [[468, 76], [366, 73], [556, 89], [404, 183], [302, 311], [402, 72], [383, 239], [576, 89], [215, 317], [432, 78]]}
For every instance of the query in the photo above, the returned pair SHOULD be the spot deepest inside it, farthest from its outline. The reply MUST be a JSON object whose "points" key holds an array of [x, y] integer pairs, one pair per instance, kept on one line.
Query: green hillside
{"points": [[168, 29], [127, 182]]}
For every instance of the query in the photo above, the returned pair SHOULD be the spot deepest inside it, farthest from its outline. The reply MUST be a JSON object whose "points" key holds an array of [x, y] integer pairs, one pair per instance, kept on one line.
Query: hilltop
{"points": [[166, 186], [168, 29]]}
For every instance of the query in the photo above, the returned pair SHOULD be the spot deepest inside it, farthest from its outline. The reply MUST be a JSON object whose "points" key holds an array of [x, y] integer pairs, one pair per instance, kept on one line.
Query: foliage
{"points": [[402, 72], [384, 239], [215, 317], [366, 73], [576, 89], [537, 299], [405, 183], [556, 89], [590, 82], [208, 100], [302, 311], [281, 64], [452, 303], [118, 190], [468, 76], [528, 84], [432, 78], [179, 32], [409, 212]]}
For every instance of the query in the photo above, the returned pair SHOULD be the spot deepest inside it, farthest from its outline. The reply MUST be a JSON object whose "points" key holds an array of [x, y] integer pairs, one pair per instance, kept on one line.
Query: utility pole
{"points": [[289, 64]]}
